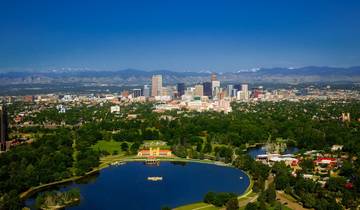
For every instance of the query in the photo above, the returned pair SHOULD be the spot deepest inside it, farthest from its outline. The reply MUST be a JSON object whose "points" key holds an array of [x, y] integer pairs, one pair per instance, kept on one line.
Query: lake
{"points": [[127, 187]]}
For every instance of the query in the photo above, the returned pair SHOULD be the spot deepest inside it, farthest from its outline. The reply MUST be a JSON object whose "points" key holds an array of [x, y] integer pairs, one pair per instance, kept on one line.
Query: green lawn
{"points": [[201, 205], [109, 146]]}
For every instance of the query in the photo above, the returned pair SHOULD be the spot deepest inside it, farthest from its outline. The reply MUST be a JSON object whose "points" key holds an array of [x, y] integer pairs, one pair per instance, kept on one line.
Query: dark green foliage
{"points": [[134, 148], [307, 165], [251, 206], [180, 151], [309, 125], [124, 147], [232, 204], [209, 197], [57, 198], [219, 199]]}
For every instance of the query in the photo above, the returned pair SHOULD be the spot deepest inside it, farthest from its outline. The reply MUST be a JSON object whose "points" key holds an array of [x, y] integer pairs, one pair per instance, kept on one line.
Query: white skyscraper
{"points": [[215, 87]]}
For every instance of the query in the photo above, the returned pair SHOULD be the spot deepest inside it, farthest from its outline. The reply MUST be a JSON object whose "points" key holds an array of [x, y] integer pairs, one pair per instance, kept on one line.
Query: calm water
{"points": [[126, 186], [253, 152]]}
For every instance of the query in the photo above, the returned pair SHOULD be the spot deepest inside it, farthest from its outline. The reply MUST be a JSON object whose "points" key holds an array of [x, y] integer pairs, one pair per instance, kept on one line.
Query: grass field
{"points": [[199, 205], [109, 146]]}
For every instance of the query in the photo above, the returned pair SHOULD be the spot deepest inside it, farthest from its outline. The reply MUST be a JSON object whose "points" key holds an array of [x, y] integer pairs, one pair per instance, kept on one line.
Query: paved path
{"points": [[202, 207], [248, 200]]}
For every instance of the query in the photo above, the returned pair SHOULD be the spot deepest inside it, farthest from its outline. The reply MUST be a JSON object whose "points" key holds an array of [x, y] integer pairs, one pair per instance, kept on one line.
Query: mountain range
{"points": [[309, 74]]}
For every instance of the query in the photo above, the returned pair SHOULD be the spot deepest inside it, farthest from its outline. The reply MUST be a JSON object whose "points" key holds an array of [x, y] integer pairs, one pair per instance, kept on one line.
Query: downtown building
{"points": [[156, 85], [146, 91], [207, 87], [199, 90], [3, 127], [136, 93], [180, 89]]}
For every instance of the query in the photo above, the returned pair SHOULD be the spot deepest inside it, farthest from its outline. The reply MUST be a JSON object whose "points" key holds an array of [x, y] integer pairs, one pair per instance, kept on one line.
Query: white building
{"points": [[115, 109]]}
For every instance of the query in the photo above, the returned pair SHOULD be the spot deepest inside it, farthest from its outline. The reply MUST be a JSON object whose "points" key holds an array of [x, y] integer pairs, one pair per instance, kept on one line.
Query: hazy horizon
{"points": [[74, 69]]}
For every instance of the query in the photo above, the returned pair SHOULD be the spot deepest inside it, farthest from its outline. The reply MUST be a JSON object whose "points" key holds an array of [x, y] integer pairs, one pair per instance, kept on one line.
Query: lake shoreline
{"points": [[106, 163]]}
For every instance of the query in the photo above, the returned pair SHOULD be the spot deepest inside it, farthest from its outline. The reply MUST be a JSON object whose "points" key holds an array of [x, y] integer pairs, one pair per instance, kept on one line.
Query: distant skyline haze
{"points": [[202, 35]]}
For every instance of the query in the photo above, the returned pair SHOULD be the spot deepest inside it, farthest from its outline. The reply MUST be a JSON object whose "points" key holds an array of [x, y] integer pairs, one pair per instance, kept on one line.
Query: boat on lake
{"points": [[155, 178], [118, 163]]}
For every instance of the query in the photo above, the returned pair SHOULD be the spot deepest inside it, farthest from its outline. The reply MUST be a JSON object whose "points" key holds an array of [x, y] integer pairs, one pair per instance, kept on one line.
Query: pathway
{"points": [[202, 207]]}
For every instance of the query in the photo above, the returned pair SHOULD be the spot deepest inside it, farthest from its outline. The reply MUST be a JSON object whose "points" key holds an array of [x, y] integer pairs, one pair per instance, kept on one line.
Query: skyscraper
{"points": [[245, 91], [146, 91], [230, 90], [3, 127], [237, 87], [207, 89], [181, 89], [215, 87], [156, 85], [199, 90]]}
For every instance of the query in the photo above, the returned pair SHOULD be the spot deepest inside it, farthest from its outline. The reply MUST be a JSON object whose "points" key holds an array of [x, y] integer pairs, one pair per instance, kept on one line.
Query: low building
{"points": [[154, 152], [336, 147], [115, 109]]}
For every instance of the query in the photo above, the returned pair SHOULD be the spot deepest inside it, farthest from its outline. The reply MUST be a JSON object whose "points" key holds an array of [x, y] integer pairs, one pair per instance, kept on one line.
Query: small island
{"points": [[57, 199]]}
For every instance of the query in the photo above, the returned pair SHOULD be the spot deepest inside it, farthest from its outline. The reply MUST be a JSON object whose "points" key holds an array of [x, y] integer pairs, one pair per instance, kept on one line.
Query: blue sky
{"points": [[180, 35]]}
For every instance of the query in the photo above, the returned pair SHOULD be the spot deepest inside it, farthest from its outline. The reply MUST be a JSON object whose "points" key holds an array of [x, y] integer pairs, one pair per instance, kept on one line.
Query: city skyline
{"points": [[179, 36]]}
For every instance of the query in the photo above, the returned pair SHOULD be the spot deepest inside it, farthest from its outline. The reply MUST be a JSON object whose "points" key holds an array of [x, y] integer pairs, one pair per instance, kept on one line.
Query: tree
{"points": [[180, 151], [199, 147], [124, 147], [270, 194], [232, 204], [134, 148], [208, 147], [309, 200], [209, 197], [251, 206], [346, 169], [307, 165]]}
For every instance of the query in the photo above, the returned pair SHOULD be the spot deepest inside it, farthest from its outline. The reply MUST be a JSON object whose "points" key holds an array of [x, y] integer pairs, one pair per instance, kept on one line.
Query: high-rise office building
{"points": [[215, 87], [245, 91], [234, 92], [136, 93], [207, 89], [146, 91], [237, 87], [199, 90], [156, 85], [230, 90], [180, 89], [3, 127]]}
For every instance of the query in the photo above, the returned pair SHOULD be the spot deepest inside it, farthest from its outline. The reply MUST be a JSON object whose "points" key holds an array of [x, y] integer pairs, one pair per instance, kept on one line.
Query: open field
{"points": [[108, 146], [198, 206]]}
